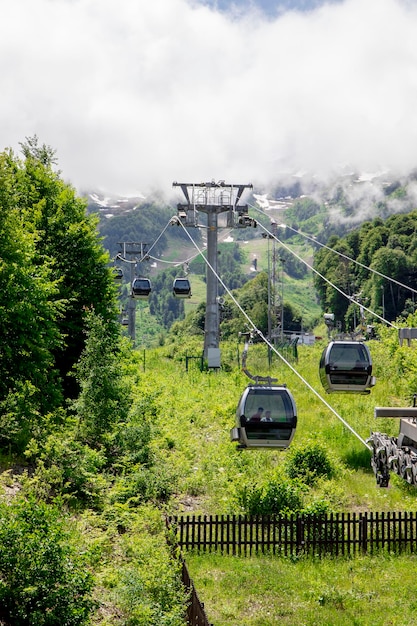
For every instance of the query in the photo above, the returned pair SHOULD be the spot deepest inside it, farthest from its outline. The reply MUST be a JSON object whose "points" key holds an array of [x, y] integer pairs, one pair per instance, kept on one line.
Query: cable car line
{"points": [[174, 219], [272, 347], [351, 298], [348, 258], [159, 236], [345, 256]]}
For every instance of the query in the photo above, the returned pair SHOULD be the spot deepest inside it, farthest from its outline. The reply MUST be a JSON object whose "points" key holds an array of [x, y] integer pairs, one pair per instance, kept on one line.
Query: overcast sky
{"points": [[136, 94]]}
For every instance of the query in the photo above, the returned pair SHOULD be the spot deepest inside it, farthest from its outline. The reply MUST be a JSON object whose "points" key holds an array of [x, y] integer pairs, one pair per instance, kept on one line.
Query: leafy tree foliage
{"points": [[229, 265], [231, 258], [66, 253], [43, 581], [302, 210], [387, 246], [253, 298], [30, 313], [104, 399], [293, 267]]}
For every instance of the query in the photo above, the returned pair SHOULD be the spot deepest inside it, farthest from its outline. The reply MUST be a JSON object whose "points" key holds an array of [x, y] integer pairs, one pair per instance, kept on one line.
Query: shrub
{"points": [[274, 497], [149, 591], [144, 484], [308, 463], [43, 582], [69, 468]]}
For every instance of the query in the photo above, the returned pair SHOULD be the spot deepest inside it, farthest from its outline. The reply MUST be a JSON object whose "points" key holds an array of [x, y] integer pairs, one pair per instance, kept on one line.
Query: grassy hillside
{"points": [[197, 411], [172, 454], [201, 408]]}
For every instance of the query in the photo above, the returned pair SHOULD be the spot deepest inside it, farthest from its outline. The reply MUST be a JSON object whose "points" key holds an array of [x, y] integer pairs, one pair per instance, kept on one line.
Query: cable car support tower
{"points": [[213, 198], [132, 253]]}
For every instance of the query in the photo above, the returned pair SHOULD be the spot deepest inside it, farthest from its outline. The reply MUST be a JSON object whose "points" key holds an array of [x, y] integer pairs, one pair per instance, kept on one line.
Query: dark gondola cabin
{"points": [[346, 367], [141, 288], [266, 417], [117, 274], [181, 288]]}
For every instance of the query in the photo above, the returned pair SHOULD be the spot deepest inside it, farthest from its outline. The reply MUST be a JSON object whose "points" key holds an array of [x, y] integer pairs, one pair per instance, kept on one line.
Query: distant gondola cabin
{"points": [[346, 367], [266, 417], [181, 288], [117, 274], [141, 288]]}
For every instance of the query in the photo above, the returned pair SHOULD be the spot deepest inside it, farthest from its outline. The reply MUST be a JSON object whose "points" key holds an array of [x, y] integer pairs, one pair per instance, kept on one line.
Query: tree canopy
{"points": [[53, 270], [389, 248]]}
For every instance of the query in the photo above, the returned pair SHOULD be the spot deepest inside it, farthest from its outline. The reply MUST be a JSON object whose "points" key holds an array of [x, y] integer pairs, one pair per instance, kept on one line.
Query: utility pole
{"points": [[132, 253], [213, 198]]}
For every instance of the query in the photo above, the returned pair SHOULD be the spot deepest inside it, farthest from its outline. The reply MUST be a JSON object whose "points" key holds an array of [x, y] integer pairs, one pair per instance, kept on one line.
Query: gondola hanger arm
{"points": [[257, 379]]}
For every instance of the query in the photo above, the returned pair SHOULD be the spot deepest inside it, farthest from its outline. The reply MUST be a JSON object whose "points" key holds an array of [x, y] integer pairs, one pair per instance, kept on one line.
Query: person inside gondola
{"points": [[256, 417], [267, 417]]}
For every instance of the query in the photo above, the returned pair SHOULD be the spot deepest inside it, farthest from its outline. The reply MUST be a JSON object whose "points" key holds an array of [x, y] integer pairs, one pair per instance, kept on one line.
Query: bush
{"points": [[68, 468], [308, 463], [272, 498], [144, 484], [43, 582], [149, 591]]}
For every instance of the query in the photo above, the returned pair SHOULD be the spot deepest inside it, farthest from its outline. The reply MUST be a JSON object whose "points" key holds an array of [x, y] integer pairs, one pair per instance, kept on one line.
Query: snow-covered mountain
{"points": [[109, 205], [352, 197]]}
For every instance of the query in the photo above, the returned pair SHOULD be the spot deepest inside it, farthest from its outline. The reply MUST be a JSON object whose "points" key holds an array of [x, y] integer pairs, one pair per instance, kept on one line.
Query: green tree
{"points": [[68, 239], [43, 580], [334, 270], [162, 303], [103, 401], [30, 313], [389, 247]]}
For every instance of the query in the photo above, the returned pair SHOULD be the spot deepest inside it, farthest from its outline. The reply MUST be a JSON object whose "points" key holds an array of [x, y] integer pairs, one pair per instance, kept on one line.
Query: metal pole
{"points": [[269, 295], [269, 306], [211, 337], [212, 198], [282, 300], [132, 308]]}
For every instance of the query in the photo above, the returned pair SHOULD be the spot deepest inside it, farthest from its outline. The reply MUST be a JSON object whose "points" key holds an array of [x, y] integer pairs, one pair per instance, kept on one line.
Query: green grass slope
{"points": [[197, 412]]}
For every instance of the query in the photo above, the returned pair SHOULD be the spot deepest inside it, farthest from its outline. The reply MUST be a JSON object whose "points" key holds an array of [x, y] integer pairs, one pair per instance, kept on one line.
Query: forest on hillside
{"points": [[368, 255], [386, 247]]}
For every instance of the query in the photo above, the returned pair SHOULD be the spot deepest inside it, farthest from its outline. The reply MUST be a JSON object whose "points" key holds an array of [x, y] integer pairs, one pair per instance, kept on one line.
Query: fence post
{"points": [[300, 534], [363, 530]]}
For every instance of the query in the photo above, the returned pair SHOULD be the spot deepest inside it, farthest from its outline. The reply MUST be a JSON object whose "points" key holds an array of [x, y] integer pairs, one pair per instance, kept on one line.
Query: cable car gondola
{"points": [[181, 288], [117, 274], [346, 367], [141, 288], [266, 417]]}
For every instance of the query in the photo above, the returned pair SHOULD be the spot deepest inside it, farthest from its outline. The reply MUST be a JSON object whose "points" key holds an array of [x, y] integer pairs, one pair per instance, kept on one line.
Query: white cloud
{"points": [[136, 94]]}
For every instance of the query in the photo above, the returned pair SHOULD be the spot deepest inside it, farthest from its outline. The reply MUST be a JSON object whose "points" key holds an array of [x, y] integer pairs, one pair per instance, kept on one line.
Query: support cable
{"points": [[159, 236], [348, 258], [189, 259], [272, 347], [350, 298]]}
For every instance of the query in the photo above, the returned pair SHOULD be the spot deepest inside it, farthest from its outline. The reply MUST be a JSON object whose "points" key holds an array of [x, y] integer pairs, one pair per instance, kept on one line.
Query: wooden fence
{"points": [[337, 534], [196, 615]]}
